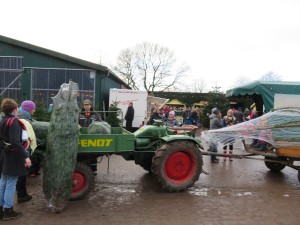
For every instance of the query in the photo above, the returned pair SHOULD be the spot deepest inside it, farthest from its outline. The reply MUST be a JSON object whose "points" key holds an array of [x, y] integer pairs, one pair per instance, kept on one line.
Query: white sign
{"points": [[286, 100], [139, 100]]}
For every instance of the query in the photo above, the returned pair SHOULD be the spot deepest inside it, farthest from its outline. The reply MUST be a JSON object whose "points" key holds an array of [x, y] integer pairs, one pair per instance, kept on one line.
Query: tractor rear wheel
{"points": [[82, 181], [274, 166], [177, 165]]}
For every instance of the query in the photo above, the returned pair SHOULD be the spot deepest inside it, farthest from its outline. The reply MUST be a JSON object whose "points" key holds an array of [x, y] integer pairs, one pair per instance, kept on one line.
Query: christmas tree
{"points": [[113, 117]]}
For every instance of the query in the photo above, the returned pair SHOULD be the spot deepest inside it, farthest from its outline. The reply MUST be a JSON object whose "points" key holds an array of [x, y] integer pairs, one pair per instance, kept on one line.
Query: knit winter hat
{"points": [[28, 105], [87, 101], [215, 111]]}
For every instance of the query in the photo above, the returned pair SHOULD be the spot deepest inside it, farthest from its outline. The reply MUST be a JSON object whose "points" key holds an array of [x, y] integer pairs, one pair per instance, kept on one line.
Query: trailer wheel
{"points": [[177, 165], [82, 181], [274, 166]]}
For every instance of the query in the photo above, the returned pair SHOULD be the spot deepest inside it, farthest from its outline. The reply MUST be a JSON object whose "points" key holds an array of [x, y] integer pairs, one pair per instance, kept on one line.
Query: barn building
{"points": [[31, 72]]}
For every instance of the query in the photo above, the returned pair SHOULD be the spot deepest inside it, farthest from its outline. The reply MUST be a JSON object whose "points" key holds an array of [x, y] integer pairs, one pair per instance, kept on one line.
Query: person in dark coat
{"points": [[13, 158], [247, 114], [186, 116], [87, 114], [155, 116], [129, 116], [215, 123], [239, 115], [25, 112], [194, 117], [86, 117]]}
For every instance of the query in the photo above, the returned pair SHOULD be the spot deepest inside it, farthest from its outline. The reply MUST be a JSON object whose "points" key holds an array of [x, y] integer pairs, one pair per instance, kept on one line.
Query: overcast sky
{"points": [[221, 40]]}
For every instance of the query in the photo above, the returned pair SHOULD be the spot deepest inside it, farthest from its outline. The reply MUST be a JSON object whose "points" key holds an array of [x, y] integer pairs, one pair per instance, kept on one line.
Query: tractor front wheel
{"points": [[274, 166], [82, 181], [177, 165], [146, 164]]}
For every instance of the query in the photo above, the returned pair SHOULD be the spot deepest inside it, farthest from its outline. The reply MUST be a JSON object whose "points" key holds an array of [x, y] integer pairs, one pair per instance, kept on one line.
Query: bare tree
{"points": [[151, 67], [241, 80], [199, 85], [194, 85], [126, 67], [216, 88], [270, 76]]}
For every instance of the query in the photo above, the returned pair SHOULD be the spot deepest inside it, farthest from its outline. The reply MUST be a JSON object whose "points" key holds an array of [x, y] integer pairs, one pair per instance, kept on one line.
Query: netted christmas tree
{"points": [[62, 145], [114, 115]]}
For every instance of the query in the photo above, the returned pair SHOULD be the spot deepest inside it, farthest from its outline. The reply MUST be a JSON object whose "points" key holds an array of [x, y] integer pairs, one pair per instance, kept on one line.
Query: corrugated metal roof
{"points": [[61, 56]]}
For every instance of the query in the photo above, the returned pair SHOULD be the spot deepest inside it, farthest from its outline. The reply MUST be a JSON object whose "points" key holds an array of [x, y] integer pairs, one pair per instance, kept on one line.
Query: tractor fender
{"points": [[171, 138]]}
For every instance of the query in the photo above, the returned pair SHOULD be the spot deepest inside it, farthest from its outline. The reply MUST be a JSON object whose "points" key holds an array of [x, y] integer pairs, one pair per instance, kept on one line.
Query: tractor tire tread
{"points": [[89, 174], [159, 158]]}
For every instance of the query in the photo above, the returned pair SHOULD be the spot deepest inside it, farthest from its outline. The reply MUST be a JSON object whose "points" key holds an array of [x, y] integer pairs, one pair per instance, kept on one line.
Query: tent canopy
{"points": [[267, 90], [175, 102], [200, 104]]}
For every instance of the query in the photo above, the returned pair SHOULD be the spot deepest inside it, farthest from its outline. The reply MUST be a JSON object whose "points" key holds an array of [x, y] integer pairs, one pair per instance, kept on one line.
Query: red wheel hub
{"points": [[78, 182], [180, 166]]}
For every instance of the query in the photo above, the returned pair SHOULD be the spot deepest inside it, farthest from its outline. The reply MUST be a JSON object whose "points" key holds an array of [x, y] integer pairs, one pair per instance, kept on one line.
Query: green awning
{"points": [[267, 89]]}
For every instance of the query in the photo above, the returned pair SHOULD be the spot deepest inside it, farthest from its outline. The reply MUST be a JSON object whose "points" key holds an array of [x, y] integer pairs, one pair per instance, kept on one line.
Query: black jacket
{"points": [[86, 118], [239, 116], [129, 114], [154, 116], [194, 118], [12, 161]]}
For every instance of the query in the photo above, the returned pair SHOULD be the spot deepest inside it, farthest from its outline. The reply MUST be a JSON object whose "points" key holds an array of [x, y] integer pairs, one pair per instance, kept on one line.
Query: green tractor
{"points": [[175, 161]]}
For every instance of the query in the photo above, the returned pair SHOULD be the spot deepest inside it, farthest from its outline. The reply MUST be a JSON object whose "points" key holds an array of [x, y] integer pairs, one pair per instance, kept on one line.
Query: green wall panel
{"points": [[33, 58], [26, 85]]}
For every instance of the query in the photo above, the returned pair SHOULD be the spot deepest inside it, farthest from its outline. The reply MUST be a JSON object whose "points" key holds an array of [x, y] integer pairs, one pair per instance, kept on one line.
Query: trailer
{"points": [[277, 131]]}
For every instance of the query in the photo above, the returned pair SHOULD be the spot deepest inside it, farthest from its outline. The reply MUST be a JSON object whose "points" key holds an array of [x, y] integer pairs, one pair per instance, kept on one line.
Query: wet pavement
{"points": [[239, 192]]}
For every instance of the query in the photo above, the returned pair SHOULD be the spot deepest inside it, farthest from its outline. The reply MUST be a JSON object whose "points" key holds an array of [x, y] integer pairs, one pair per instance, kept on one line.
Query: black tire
{"points": [[147, 166], [146, 163], [177, 165], [82, 181], [273, 166], [299, 175]]}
